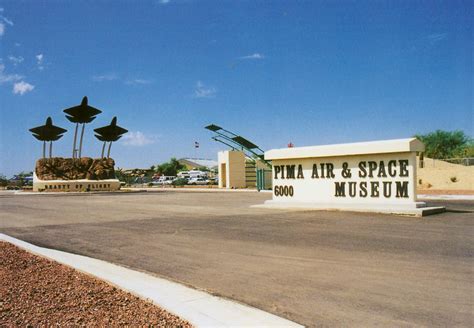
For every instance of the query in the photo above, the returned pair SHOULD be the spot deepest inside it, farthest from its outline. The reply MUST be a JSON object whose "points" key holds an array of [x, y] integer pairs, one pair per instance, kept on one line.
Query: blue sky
{"points": [[306, 72]]}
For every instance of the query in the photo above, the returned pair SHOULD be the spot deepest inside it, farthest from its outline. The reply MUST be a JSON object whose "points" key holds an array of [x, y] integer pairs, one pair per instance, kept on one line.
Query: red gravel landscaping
{"points": [[35, 291]]}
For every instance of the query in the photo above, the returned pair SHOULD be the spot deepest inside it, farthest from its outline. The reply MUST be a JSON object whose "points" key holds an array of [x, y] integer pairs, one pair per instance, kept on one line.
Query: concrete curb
{"points": [[158, 189], [197, 307], [412, 212], [76, 193], [446, 197]]}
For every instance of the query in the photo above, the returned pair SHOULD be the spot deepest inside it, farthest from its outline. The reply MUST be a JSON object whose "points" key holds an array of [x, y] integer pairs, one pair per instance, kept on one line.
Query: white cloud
{"points": [[437, 37], [254, 56], [6, 20], [22, 87], [2, 25], [39, 61], [16, 60], [137, 139], [138, 81], [203, 91], [105, 77], [114, 76], [6, 78]]}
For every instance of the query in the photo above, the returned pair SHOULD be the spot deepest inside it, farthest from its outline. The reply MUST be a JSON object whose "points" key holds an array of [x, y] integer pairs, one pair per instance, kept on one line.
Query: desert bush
{"points": [[179, 182]]}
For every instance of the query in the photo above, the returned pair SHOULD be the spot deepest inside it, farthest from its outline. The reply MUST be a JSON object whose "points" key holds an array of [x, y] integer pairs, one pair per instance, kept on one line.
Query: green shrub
{"points": [[179, 182]]}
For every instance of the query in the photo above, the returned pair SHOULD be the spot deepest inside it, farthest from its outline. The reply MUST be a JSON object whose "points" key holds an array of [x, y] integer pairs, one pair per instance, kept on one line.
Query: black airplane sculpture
{"points": [[48, 133], [109, 133], [81, 114]]}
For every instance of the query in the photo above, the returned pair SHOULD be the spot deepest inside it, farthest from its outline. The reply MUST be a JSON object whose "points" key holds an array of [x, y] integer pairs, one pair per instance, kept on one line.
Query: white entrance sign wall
{"points": [[375, 176]]}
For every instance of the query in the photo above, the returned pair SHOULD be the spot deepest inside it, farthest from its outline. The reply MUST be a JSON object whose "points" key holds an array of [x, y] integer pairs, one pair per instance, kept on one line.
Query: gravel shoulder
{"points": [[35, 291]]}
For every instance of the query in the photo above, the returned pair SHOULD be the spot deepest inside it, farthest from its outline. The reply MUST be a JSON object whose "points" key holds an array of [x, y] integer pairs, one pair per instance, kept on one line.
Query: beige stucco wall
{"points": [[233, 176]]}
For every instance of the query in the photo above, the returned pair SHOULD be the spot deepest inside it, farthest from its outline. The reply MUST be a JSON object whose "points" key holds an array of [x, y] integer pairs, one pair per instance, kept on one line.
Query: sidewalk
{"points": [[203, 189], [445, 197], [446, 194]]}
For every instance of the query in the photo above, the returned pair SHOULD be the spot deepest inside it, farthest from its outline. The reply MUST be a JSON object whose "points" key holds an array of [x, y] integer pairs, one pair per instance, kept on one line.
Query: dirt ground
{"points": [[35, 291], [444, 176], [316, 268]]}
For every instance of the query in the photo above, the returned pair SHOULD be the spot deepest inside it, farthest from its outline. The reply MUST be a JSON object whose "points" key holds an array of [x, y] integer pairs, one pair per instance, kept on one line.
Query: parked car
{"points": [[164, 180], [183, 174], [198, 181], [197, 174]]}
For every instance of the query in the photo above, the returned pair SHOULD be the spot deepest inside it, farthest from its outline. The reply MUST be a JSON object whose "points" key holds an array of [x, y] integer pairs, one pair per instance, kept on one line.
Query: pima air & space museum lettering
{"points": [[376, 176], [345, 187]]}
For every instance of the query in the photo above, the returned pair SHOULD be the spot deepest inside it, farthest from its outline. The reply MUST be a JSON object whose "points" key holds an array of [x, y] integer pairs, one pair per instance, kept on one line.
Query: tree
{"points": [[109, 133], [21, 177], [170, 168], [3, 180], [468, 151], [122, 176], [445, 144], [81, 114], [48, 133]]}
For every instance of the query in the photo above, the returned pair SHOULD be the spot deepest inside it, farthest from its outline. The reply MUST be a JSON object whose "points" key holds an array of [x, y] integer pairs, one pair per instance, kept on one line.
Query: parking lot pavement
{"points": [[316, 268]]}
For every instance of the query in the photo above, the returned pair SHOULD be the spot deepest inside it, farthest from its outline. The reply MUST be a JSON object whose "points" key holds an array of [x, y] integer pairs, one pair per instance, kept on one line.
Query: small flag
{"points": [[196, 144]]}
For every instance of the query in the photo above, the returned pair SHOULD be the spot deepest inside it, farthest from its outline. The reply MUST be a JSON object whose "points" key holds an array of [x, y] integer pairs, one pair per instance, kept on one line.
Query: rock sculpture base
{"points": [[58, 168], [75, 174]]}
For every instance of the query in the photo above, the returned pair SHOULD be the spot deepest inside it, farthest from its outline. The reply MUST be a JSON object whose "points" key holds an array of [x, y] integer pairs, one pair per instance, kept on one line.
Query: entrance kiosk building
{"points": [[231, 169], [236, 170], [378, 176]]}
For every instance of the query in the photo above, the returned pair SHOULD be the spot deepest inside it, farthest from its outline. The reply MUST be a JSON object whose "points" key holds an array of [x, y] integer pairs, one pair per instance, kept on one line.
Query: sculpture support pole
{"points": [[80, 143], [108, 153], [50, 149], [103, 149], [44, 149], [75, 139]]}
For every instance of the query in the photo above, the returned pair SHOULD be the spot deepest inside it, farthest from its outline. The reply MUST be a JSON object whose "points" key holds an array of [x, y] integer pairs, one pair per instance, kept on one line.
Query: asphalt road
{"points": [[316, 268]]}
